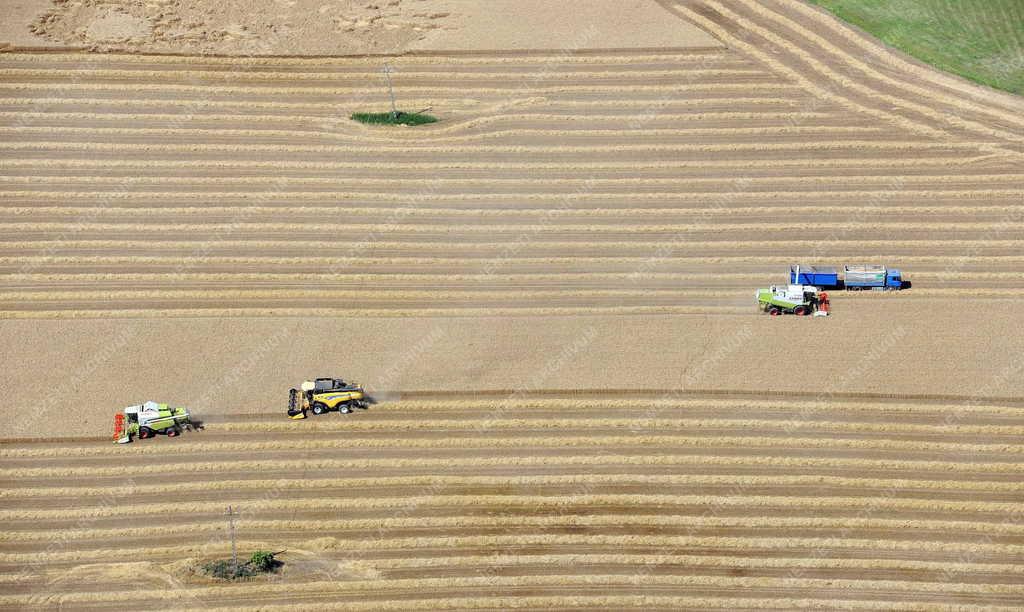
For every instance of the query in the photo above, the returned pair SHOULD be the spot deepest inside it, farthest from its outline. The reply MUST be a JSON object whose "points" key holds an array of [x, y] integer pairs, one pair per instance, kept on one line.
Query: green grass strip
{"points": [[982, 40], [399, 118]]}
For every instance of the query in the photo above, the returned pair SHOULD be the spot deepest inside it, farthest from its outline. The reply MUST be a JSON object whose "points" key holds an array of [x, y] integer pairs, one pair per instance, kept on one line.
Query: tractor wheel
{"points": [[800, 311], [319, 408], [774, 312], [145, 432], [344, 409], [173, 431]]}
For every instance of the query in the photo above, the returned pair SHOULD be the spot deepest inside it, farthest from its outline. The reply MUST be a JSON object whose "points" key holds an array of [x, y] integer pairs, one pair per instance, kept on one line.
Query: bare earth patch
{"points": [[345, 27]]}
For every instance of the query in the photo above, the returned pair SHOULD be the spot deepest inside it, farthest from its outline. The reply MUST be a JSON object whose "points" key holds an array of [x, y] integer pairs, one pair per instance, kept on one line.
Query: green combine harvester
{"points": [[149, 419], [799, 300]]}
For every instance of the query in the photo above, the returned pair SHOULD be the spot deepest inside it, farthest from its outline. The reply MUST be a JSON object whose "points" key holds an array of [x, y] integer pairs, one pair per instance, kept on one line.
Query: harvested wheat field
{"points": [[669, 500], [550, 294]]}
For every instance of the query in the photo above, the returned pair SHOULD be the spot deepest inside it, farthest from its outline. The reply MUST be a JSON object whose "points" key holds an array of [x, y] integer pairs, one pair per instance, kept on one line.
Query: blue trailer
{"points": [[815, 276], [872, 277]]}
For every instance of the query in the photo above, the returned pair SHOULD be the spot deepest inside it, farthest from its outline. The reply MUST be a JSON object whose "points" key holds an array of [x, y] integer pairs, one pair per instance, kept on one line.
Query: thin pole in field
{"points": [[391, 91], [231, 531]]}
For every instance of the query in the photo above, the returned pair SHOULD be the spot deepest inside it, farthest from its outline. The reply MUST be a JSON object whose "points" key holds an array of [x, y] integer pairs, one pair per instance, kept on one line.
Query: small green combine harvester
{"points": [[798, 300], [149, 419]]}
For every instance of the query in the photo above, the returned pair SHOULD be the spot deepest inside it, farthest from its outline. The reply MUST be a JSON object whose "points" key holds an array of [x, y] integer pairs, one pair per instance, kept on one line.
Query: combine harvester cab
{"points": [[148, 419], [790, 299], [323, 395]]}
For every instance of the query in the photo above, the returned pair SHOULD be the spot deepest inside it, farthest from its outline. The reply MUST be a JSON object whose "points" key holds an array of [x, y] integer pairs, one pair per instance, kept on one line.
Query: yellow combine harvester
{"points": [[324, 395]]}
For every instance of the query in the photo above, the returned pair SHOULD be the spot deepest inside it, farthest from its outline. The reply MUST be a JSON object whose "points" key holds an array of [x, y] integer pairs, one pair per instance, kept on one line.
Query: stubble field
{"points": [[492, 502], [581, 224]]}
